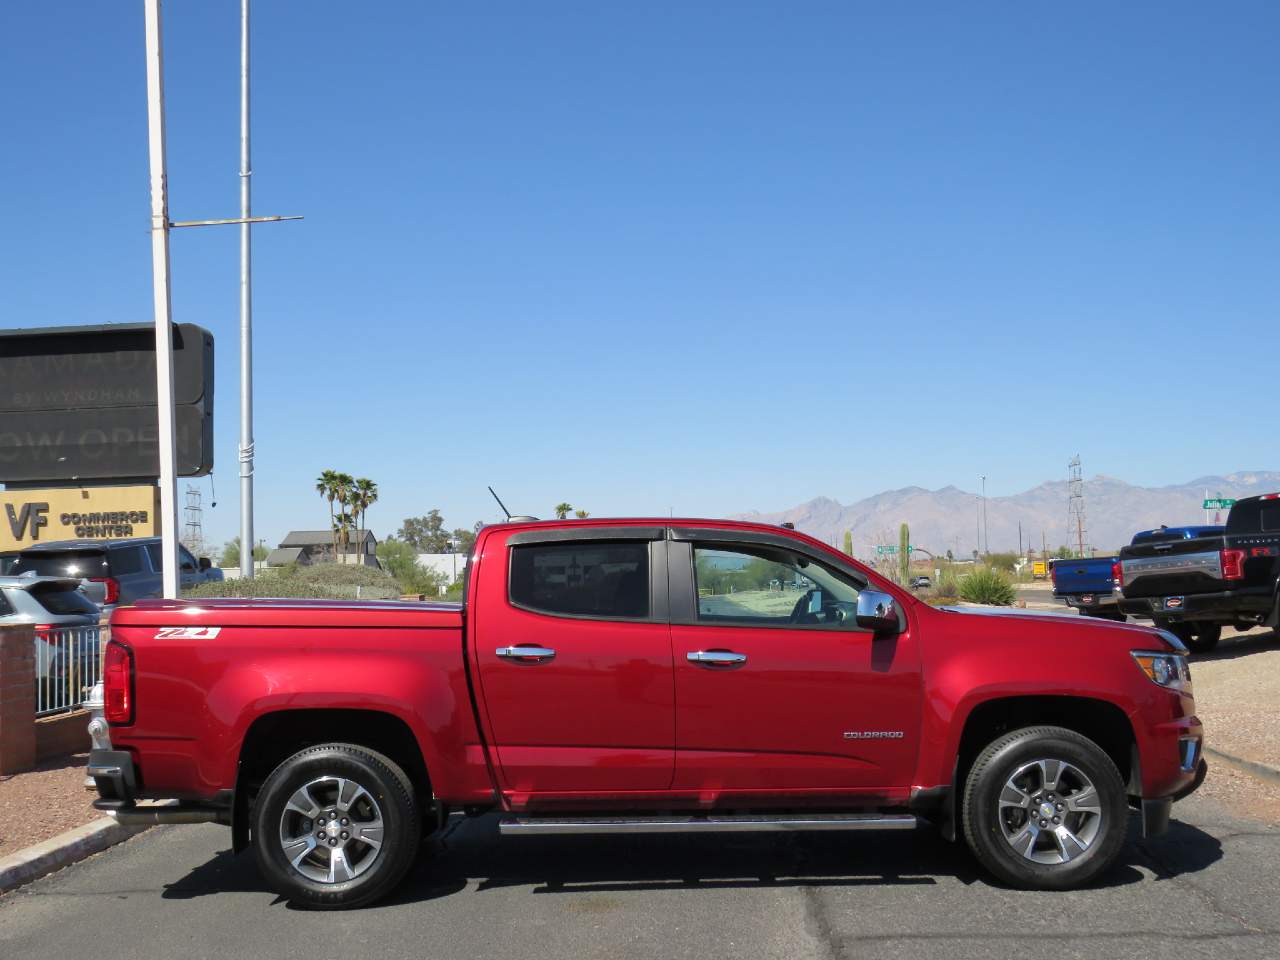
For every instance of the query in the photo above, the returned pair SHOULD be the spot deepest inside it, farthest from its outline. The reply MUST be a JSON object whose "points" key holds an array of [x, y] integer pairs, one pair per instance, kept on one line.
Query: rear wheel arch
{"points": [[274, 737]]}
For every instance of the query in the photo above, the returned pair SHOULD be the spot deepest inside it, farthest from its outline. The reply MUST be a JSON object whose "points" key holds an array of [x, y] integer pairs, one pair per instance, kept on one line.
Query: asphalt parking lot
{"points": [[1210, 887]]}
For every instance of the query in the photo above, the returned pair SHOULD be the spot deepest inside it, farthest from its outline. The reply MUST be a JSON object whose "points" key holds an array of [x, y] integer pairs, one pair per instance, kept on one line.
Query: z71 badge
{"points": [[187, 633]]}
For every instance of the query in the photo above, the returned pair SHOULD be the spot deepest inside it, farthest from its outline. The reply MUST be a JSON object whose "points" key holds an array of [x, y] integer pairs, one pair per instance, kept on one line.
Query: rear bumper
{"points": [[1090, 601], [113, 774], [1222, 606]]}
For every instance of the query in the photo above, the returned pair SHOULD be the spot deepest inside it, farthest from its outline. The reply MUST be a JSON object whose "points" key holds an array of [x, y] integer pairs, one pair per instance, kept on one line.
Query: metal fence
{"points": [[68, 663]]}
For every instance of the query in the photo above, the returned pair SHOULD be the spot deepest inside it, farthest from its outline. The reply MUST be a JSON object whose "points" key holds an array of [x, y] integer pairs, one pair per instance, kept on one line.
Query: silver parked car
{"points": [[53, 605]]}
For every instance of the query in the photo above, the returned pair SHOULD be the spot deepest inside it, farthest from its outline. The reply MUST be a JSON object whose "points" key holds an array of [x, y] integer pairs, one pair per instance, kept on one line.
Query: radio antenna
{"points": [[501, 504]]}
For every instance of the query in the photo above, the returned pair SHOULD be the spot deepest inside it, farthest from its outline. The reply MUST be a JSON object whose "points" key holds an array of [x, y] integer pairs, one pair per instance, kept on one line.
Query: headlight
{"points": [[1169, 670]]}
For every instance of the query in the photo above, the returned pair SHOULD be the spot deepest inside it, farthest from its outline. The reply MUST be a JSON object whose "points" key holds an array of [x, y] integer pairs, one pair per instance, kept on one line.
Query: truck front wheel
{"points": [[1044, 808], [335, 825]]}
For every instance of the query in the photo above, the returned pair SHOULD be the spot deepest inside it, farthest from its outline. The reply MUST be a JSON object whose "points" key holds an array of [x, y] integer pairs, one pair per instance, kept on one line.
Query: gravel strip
{"points": [[55, 790]]}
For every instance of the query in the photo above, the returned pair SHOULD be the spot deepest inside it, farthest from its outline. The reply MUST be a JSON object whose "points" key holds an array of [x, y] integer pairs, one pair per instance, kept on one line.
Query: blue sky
{"points": [[708, 257]]}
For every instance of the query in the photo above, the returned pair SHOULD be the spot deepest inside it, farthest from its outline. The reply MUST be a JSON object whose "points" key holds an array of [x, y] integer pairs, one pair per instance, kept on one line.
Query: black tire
{"points": [[1204, 638], [985, 825], [1180, 630], [387, 787]]}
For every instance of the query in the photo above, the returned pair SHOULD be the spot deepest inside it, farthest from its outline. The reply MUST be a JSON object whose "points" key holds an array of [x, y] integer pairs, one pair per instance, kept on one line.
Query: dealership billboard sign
{"points": [[78, 404], [77, 513]]}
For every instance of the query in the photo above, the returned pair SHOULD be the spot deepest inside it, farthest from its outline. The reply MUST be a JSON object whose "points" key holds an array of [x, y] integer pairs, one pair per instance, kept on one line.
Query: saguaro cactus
{"points": [[904, 554], [848, 542]]}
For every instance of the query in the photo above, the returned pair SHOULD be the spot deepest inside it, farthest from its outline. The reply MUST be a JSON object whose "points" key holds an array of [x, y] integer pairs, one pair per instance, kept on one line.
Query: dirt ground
{"points": [[1237, 689], [44, 802]]}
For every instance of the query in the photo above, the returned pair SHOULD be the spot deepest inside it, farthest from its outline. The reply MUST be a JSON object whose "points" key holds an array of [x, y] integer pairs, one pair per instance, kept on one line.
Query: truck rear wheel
{"points": [[336, 825], [1204, 638], [1044, 808]]}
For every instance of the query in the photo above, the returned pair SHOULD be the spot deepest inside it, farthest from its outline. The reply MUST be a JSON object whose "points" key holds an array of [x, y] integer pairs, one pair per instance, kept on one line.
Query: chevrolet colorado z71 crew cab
{"points": [[1194, 586], [642, 676]]}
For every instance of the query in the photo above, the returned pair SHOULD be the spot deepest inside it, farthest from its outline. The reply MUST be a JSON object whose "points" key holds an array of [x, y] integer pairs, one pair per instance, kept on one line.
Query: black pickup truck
{"points": [[1193, 587]]}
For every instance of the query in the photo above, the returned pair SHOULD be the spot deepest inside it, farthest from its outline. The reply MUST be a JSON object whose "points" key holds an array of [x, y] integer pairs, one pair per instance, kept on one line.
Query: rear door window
{"points": [[588, 579], [68, 563], [6, 607]]}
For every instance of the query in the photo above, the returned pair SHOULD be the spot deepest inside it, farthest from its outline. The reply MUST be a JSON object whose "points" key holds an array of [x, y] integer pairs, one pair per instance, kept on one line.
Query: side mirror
{"points": [[878, 612], [205, 563]]}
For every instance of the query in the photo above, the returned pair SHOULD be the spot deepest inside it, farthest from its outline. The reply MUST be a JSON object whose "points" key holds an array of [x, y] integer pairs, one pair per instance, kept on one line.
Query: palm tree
{"points": [[563, 510], [581, 514], [366, 495], [342, 529], [343, 488], [327, 487]]}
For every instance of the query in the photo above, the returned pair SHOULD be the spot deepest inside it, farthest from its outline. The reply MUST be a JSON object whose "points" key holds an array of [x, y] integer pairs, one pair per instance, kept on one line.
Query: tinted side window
{"points": [[127, 560], [59, 600], [1271, 517], [185, 559], [6, 607], [582, 579], [154, 552]]}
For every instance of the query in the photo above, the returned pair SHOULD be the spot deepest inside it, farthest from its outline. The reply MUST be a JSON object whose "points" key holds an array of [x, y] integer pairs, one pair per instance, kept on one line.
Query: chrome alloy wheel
{"points": [[1050, 812], [331, 830]]}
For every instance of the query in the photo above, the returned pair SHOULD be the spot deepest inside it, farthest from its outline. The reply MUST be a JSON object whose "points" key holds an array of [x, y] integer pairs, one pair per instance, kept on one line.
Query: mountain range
{"points": [[950, 518]]}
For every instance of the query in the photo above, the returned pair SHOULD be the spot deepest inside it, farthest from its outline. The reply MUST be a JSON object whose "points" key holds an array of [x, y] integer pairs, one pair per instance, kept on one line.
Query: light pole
{"points": [[985, 539], [160, 226], [167, 439], [246, 310]]}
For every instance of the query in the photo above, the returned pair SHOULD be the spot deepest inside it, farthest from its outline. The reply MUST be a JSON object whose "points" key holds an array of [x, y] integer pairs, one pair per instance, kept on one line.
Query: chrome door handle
{"points": [[526, 654], [716, 658]]}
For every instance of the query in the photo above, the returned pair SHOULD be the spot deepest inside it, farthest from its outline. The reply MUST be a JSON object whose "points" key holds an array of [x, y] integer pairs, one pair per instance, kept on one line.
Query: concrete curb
{"points": [[1263, 771], [61, 851]]}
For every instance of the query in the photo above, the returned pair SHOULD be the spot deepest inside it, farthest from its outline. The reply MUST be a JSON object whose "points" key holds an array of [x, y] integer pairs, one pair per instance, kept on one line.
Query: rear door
{"points": [[777, 688], [572, 647]]}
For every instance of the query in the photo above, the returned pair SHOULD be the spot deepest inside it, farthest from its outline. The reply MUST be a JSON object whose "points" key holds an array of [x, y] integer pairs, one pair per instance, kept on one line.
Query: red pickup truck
{"points": [[642, 676]]}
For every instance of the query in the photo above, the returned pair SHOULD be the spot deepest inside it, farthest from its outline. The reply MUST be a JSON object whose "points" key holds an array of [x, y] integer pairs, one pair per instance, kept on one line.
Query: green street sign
{"points": [[881, 551], [1218, 504]]}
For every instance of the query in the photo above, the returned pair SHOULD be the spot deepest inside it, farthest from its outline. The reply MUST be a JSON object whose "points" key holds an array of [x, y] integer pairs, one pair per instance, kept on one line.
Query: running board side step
{"points": [[558, 826]]}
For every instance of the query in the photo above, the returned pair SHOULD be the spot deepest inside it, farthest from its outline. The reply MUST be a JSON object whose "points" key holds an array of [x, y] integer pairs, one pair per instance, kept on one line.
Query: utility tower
{"points": [[193, 522], [1077, 528]]}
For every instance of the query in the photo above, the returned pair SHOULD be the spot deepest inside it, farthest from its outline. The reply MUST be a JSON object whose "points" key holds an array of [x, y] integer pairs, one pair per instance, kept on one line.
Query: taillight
{"points": [[1117, 574], [113, 588], [1232, 564], [1053, 573], [117, 683]]}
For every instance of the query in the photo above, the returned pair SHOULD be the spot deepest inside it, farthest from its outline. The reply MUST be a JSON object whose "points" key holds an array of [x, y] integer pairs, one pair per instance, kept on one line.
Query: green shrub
{"points": [[331, 581], [947, 586], [987, 586]]}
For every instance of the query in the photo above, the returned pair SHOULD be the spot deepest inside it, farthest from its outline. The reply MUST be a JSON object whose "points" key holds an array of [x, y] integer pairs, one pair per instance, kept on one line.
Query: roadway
{"points": [[1210, 887]]}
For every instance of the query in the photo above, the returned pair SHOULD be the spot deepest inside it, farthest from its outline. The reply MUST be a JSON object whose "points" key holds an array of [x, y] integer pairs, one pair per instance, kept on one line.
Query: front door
{"points": [[574, 654], [777, 688]]}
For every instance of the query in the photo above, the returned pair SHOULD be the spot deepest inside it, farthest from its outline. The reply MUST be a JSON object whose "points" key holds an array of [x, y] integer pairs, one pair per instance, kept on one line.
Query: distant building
{"points": [[448, 565], [316, 546]]}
